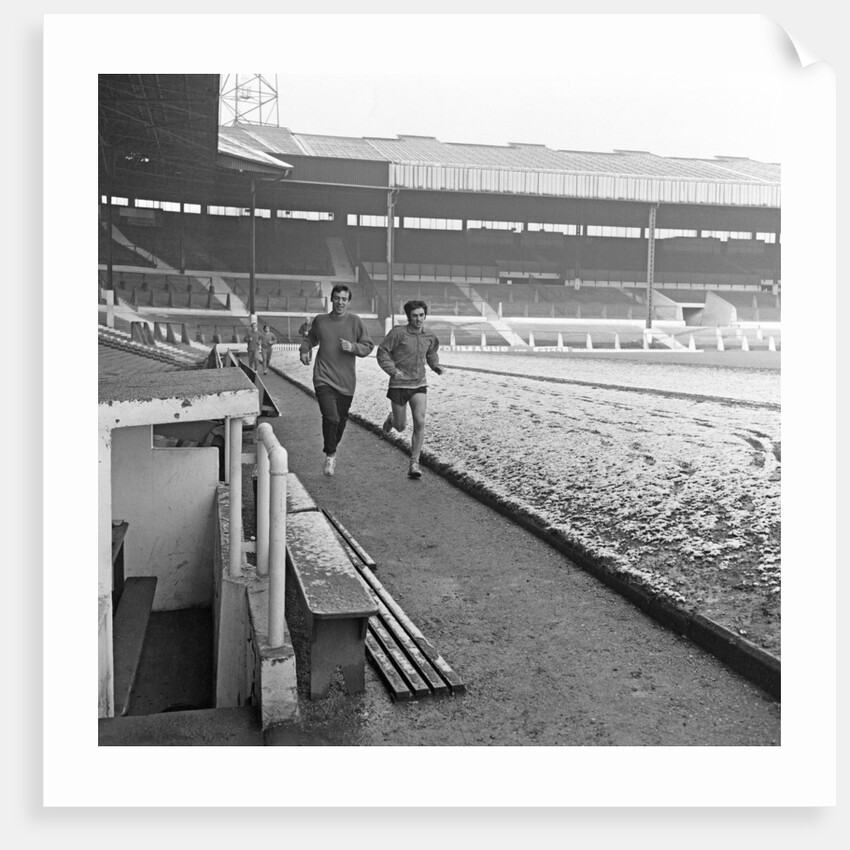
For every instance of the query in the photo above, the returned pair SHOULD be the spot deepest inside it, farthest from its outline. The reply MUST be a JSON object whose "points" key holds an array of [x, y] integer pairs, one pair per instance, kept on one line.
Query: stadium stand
{"points": [[752, 306], [221, 243], [180, 281]]}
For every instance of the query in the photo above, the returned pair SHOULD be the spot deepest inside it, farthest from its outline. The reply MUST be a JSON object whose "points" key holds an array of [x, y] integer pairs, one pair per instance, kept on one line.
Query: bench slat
{"points": [[415, 682], [429, 664], [426, 670], [346, 535], [386, 670], [128, 636], [440, 664]]}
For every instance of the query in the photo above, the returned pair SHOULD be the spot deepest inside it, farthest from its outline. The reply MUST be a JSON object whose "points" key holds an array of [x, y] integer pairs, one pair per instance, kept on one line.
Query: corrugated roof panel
{"points": [[342, 147], [423, 162], [275, 140], [602, 186]]}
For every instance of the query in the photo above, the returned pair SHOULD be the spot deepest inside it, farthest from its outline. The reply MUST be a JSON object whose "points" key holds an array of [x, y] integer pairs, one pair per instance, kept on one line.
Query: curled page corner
{"points": [[796, 51]]}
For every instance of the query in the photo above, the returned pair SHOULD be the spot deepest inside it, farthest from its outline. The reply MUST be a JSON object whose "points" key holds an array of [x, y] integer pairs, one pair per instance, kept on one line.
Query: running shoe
{"points": [[414, 471], [388, 424], [330, 465]]}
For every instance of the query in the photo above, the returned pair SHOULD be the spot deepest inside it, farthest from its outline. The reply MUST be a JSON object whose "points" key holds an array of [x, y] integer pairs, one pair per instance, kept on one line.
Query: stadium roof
{"points": [[424, 162], [159, 138], [279, 141]]}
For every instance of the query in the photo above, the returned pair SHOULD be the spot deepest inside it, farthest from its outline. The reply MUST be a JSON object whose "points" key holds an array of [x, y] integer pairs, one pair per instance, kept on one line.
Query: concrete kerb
{"points": [[755, 664]]}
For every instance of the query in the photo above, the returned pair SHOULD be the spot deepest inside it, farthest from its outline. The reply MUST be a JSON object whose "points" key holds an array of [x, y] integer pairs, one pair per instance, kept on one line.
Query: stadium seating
{"points": [[752, 306], [222, 243], [458, 273]]}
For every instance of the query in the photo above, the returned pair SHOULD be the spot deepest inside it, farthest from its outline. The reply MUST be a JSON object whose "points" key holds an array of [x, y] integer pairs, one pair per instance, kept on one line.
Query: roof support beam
{"points": [[650, 262]]}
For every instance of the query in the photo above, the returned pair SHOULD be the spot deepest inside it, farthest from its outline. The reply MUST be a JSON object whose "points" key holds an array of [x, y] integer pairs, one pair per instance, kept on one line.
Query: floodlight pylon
{"points": [[248, 99]]}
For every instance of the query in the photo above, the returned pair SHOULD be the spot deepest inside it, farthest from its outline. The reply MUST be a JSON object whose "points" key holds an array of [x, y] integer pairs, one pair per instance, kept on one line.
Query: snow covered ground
{"points": [[667, 472]]}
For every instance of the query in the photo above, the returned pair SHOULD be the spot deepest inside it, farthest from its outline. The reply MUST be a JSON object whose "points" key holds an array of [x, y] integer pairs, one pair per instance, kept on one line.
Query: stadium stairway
{"points": [[339, 258], [668, 340], [220, 286], [509, 335], [121, 239]]}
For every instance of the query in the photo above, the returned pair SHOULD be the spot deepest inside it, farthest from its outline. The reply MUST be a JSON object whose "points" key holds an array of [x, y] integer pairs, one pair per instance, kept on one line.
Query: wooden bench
{"points": [[128, 636], [297, 496], [334, 598]]}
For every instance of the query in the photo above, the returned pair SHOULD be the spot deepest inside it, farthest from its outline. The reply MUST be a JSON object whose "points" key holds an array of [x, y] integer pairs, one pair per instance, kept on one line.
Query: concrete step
{"points": [[210, 727]]}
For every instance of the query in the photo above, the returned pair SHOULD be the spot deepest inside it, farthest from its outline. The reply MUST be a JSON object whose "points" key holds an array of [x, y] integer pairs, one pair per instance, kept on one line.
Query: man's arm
{"points": [[310, 339], [363, 345], [384, 355], [432, 358]]}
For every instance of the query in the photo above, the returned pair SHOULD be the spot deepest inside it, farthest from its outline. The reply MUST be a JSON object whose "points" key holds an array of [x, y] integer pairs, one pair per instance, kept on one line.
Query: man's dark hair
{"points": [[341, 287], [414, 305]]}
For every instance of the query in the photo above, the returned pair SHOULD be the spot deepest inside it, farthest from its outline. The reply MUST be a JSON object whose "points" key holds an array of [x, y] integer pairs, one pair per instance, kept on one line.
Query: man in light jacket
{"points": [[403, 355]]}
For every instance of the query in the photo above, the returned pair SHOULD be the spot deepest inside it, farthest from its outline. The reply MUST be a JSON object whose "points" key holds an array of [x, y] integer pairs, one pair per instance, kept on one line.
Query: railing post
{"points": [[235, 467], [279, 463], [272, 468]]}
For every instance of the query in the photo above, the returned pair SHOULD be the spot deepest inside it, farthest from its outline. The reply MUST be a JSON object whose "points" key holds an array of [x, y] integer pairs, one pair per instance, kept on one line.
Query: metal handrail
{"points": [[272, 469]]}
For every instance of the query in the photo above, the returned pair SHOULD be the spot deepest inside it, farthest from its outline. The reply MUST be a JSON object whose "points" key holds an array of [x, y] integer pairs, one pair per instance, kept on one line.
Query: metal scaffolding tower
{"points": [[248, 99]]}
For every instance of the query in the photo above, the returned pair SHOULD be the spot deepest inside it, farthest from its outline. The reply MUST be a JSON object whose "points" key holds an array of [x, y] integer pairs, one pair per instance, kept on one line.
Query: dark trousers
{"points": [[334, 408]]}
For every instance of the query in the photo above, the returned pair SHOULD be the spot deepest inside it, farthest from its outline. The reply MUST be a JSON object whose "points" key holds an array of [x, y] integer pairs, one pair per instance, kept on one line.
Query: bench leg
{"points": [[337, 643]]}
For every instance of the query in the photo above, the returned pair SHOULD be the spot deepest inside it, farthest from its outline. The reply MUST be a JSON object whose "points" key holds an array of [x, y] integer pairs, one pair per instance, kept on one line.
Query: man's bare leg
{"points": [[418, 407]]}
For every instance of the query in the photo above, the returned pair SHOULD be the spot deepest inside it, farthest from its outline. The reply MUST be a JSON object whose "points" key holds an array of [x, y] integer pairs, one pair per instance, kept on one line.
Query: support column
{"points": [[234, 433], [392, 198], [109, 260], [182, 240], [650, 262], [252, 281]]}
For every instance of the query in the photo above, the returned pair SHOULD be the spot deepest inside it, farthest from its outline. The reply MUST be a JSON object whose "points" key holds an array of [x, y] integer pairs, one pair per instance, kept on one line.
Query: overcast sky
{"points": [[563, 114], [681, 85]]}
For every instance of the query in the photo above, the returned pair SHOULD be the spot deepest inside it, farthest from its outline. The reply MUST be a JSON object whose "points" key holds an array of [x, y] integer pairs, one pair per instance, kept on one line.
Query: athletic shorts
{"points": [[401, 395]]}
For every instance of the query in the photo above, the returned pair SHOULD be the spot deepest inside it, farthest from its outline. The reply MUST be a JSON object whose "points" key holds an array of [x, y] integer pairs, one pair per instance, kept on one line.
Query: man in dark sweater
{"points": [[341, 337]]}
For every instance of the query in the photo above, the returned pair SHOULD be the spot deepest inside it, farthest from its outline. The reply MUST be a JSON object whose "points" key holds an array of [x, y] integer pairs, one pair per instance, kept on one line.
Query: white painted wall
{"points": [[168, 498]]}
